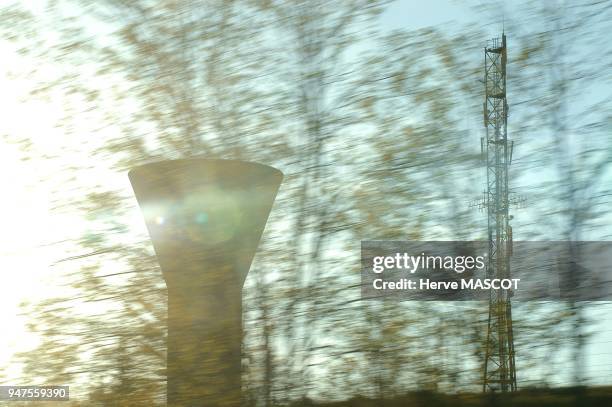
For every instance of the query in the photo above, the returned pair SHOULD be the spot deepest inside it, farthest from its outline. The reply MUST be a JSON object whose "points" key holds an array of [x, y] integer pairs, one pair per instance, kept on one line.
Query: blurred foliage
{"points": [[369, 128]]}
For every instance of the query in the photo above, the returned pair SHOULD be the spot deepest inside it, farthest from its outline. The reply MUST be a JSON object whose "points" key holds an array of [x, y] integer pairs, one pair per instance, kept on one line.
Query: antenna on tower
{"points": [[499, 366], [503, 11]]}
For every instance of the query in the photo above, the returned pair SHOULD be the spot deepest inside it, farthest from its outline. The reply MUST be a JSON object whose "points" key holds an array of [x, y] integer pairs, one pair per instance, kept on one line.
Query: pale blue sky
{"points": [[31, 206], [453, 14]]}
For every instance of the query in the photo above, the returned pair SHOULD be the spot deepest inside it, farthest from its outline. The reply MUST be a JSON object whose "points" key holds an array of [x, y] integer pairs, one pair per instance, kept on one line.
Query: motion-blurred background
{"points": [[372, 110]]}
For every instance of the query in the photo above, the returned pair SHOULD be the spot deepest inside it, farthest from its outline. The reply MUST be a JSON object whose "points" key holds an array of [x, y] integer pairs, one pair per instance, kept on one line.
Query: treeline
{"points": [[377, 131]]}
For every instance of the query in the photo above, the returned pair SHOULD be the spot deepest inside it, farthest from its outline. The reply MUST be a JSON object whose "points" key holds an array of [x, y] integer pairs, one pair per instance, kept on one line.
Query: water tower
{"points": [[205, 218]]}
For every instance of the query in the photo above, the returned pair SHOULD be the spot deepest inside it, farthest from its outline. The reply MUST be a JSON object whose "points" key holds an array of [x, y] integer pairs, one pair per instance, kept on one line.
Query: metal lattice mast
{"points": [[499, 367]]}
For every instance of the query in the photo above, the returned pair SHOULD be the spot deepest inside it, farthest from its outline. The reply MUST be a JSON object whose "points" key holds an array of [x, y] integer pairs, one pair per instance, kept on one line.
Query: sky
{"points": [[453, 14], [34, 236]]}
